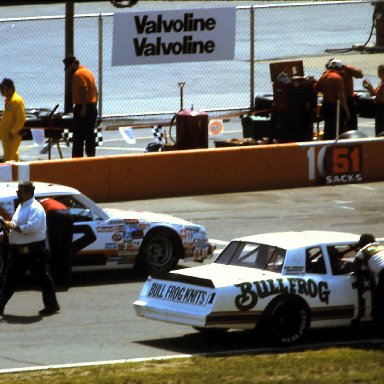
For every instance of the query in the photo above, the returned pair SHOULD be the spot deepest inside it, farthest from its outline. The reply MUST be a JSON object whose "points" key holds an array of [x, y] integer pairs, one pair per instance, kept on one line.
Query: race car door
{"points": [[360, 286]]}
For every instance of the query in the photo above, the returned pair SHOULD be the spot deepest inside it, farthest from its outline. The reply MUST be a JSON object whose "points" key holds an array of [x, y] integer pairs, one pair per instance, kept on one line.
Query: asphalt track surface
{"points": [[97, 321]]}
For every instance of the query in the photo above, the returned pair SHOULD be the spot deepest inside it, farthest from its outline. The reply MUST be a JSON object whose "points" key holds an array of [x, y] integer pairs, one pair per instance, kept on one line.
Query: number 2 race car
{"points": [[151, 242], [279, 283]]}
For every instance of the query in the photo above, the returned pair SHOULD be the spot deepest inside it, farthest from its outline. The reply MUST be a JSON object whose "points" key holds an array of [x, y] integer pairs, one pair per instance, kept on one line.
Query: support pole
{"points": [[378, 16], [69, 15], [100, 87], [337, 120], [252, 58]]}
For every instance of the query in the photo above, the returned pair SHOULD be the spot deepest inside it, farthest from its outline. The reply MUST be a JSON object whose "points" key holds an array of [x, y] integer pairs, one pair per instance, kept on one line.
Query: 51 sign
{"points": [[338, 164]]}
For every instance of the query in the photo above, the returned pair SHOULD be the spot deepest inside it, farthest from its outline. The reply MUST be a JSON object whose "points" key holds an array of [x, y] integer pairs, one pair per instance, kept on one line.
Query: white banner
{"points": [[174, 36]]}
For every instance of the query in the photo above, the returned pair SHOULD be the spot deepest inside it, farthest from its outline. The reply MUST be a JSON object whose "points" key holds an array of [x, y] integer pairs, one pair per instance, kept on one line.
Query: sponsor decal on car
{"points": [[293, 270], [181, 293], [117, 237], [104, 229], [116, 221], [250, 293]]}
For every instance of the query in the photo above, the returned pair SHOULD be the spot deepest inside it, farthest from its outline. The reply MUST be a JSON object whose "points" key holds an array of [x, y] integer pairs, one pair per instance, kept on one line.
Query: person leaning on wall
{"points": [[378, 92], [12, 121]]}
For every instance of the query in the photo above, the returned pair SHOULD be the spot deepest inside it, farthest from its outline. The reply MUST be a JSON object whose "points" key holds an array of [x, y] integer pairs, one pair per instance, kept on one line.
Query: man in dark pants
{"points": [[371, 256], [84, 99], [60, 232], [28, 250]]}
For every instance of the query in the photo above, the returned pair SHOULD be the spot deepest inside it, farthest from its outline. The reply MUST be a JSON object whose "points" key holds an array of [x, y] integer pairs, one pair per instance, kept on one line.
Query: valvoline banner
{"points": [[175, 36]]}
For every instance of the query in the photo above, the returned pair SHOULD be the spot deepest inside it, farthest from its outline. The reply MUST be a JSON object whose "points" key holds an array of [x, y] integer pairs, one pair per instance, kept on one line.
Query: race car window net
{"points": [[253, 255], [341, 258], [314, 261]]}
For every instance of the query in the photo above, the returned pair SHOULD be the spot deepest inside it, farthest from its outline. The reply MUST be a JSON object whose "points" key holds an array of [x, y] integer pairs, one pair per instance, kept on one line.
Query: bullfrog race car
{"points": [[281, 284], [108, 237]]}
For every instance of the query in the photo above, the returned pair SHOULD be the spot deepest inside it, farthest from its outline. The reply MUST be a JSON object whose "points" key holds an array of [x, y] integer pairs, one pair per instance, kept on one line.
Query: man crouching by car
{"points": [[371, 256]]}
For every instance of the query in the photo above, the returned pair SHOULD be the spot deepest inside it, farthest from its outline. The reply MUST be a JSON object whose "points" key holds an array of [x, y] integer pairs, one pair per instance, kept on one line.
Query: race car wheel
{"points": [[160, 252], [285, 321]]}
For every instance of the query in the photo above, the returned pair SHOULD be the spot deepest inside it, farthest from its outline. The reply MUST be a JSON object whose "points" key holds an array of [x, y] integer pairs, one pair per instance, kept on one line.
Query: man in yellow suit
{"points": [[12, 121]]}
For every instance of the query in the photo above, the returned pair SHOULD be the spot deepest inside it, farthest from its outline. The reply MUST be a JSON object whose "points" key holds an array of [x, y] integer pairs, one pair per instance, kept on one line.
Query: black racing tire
{"points": [[285, 321], [159, 252]]}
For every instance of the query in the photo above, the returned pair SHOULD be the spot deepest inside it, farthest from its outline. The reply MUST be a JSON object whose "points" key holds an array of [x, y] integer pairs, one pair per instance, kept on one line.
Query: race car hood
{"points": [[146, 216], [221, 275]]}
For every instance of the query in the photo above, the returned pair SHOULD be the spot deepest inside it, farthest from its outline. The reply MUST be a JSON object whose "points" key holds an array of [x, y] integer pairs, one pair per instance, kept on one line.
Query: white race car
{"points": [[280, 283], [151, 242]]}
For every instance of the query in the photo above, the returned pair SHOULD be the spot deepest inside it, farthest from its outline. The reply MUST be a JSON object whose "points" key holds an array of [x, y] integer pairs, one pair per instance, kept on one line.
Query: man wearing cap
{"points": [[28, 250], [331, 85], [371, 256], [348, 73], [84, 99], [12, 121]]}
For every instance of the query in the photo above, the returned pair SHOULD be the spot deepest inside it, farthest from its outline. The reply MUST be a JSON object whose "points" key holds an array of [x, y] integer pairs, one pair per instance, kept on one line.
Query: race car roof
{"points": [[8, 189], [292, 240]]}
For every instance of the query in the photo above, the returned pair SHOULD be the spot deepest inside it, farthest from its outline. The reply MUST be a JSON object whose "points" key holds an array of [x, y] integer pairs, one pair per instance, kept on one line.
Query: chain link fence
{"points": [[33, 49]]}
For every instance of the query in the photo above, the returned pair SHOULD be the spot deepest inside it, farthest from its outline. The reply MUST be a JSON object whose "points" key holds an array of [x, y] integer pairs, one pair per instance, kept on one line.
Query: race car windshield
{"points": [[253, 255]]}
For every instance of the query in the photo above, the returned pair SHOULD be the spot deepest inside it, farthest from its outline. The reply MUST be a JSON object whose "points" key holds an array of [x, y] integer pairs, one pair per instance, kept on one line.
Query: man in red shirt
{"points": [[84, 99], [59, 234], [348, 73], [331, 86]]}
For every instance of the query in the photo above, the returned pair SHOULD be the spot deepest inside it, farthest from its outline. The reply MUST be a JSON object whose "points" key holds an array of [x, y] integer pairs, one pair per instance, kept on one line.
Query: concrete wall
{"points": [[205, 171]]}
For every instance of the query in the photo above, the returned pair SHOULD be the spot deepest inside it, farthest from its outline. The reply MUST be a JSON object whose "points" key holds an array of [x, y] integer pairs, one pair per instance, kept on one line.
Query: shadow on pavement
{"points": [[16, 319], [235, 342]]}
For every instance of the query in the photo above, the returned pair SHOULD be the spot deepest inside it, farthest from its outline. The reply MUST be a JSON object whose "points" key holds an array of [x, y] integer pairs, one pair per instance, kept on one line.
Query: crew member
{"points": [[60, 232], [28, 250], [331, 85], [371, 256], [12, 122], [378, 92], [348, 73], [84, 98]]}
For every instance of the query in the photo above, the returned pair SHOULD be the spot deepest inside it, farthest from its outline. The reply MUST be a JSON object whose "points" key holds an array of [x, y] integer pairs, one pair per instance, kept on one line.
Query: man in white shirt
{"points": [[28, 250], [371, 255]]}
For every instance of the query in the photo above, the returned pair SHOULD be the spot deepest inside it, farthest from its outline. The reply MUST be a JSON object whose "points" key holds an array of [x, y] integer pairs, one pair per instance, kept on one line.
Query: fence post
{"points": [[100, 65], [252, 58], [69, 44]]}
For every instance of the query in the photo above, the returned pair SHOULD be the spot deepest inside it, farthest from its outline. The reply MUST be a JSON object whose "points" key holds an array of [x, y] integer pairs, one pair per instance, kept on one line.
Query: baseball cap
{"points": [[7, 82], [335, 64], [69, 60]]}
